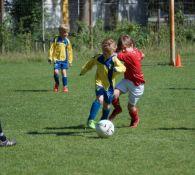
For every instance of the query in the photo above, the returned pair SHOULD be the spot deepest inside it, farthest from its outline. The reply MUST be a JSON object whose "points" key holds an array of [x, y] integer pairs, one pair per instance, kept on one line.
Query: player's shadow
{"points": [[178, 128], [32, 90], [97, 137], [155, 64], [69, 133], [52, 131], [122, 126], [66, 127], [189, 89]]}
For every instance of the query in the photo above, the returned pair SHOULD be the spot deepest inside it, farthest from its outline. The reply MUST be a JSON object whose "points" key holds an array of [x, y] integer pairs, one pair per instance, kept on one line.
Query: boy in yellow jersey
{"points": [[61, 54], [108, 66]]}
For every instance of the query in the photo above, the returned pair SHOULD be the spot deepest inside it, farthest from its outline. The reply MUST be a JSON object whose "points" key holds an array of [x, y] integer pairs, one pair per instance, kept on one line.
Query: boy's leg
{"points": [[64, 80], [56, 79], [121, 87], [108, 97], [105, 112], [116, 104], [133, 112], [64, 67], [134, 95], [93, 111]]}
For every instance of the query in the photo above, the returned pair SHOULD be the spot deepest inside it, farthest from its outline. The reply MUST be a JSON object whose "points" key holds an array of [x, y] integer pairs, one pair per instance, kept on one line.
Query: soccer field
{"points": [[51, 137]]}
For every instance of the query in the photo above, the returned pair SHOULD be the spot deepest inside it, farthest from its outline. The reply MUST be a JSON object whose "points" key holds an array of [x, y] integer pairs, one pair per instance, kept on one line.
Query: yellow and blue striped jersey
{"points": [[102, 77], [61, 50]]}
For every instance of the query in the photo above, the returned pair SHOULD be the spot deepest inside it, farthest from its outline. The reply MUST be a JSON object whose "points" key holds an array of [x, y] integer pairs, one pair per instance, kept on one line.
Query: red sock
{"points": [[134, 118], [117, 108]]}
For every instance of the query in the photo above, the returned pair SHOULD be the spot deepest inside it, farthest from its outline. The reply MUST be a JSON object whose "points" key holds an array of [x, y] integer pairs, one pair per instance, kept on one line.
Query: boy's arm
{"points": [[51, 51], [118, 66], [140, 54], [88, 66], [70, 53], [120, 56]]}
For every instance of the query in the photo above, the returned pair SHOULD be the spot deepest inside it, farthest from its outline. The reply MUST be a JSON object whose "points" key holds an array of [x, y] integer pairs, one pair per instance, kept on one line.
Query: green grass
{"points": [[51, 139]]}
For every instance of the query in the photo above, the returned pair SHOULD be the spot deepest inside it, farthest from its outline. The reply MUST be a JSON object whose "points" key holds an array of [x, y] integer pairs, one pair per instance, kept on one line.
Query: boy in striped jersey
{"points": [[61, 54], [108, 66]]}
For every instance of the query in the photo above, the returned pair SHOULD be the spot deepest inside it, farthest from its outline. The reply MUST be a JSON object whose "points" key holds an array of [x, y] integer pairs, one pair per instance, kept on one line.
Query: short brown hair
{"points": [[109, 45], [64, 27], [125, 41]]}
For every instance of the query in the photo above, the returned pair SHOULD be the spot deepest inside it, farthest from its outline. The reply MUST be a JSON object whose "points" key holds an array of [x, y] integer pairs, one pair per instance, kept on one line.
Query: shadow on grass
{"points": [[66, 127], [32, 90], [61, 133], [179, 128], [97, 137], [191, 89], [122, 126], [70, 133], [155, 64], [80, 127]]}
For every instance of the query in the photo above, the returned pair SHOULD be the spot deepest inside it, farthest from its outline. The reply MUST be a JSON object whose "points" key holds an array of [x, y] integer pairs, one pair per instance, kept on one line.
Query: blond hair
{"points": [[109, 45], [64, 27]]}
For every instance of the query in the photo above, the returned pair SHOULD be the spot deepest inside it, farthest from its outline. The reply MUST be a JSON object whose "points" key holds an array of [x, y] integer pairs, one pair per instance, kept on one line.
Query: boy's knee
{"points": [[100, 99], [131, 108], [56, 72], [116, 93], [64, 72]]}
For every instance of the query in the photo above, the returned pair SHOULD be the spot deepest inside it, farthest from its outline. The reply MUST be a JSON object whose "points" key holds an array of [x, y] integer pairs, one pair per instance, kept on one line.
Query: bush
{"points": [[82, 38], [25, 42]]}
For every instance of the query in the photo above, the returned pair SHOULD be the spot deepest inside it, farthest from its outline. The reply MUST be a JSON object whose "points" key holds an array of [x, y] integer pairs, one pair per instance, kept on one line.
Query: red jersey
{"points": [[132, 61]]}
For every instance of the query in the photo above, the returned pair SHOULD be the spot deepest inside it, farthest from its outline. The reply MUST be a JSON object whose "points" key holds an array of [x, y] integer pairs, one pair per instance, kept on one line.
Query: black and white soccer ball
{"points": [[105, 128]]}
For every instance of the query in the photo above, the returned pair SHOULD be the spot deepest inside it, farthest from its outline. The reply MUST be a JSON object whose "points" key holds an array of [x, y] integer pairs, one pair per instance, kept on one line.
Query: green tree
{"points": [[27, 15], [111, 14]]}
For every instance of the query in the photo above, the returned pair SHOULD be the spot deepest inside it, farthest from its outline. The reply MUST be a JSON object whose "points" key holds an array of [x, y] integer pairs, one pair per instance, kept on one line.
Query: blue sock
{"points": [[65, 81], [105, 114], [94, 110], [56, 78]]}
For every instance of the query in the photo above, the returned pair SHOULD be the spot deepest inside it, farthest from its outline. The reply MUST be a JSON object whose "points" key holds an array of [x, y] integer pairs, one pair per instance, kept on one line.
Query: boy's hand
{"points": [[70, 64], [114, 69]]}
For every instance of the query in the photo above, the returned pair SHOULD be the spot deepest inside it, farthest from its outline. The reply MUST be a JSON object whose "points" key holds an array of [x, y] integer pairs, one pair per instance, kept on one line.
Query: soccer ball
{"points": [[105, 128]]}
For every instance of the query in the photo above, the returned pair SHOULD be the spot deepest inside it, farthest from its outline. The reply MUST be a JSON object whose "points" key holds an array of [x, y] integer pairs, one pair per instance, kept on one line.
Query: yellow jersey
{"points": [[61, 50], [107, 69]]}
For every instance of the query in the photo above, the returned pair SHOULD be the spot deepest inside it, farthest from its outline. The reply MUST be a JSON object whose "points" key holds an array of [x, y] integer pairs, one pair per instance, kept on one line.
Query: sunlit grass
{"points": [[50, 133]]}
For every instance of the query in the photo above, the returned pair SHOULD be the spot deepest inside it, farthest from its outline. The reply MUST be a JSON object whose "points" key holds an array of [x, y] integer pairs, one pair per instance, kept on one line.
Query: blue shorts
{"points": [[61, 65], [107, 94]]}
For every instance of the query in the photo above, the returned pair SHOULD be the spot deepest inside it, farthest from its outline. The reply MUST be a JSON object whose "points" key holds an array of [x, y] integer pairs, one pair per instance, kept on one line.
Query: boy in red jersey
{"points": [[133, 81]]}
